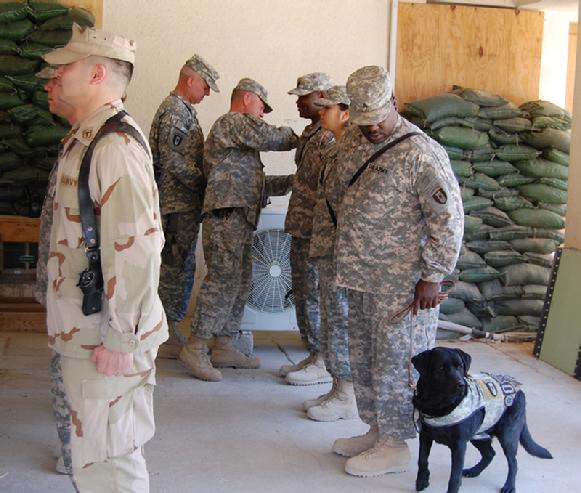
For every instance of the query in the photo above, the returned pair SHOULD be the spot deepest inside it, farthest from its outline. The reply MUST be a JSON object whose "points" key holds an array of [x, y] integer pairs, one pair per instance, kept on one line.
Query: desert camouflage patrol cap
{"points": [[46, 73], [252, 86], [306, 84], [335, 95], [204, 70], [88, 41], [369, 89]]}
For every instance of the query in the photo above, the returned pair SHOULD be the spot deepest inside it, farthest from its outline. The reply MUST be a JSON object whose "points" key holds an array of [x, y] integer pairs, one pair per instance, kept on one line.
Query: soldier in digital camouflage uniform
{"points": [[399, 233], [107, 358], [235, 192], [177, 146], [60, 406], [339, 403], [299, 223]]}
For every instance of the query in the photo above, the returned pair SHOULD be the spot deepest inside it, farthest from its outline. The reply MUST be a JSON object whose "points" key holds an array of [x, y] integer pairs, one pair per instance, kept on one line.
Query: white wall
{"points": [[272, 41]]}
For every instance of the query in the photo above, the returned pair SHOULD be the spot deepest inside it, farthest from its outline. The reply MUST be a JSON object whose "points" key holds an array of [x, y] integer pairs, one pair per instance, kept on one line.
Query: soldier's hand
{"points": [[111, 362], [427, 295]]}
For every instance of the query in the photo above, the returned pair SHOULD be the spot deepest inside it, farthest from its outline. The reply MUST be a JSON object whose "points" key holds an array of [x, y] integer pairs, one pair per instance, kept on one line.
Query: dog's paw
{"points": [[471, 473], [508, 489], [422, 484]]}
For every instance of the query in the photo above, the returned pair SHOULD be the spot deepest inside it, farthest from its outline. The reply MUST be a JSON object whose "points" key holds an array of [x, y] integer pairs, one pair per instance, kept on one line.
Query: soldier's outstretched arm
{"points": [[443, 215], [255, 133]]}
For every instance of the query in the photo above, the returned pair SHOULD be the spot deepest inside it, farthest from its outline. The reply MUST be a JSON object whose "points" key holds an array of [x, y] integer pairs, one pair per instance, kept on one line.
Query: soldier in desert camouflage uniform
{"points": [[299, 223], [107, 358], [236, 189], [399, 233], [177, 146]]}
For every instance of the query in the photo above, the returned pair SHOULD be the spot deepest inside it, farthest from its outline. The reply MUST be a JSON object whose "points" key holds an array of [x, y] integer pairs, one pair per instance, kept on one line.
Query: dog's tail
{"points": [[532, 447]]}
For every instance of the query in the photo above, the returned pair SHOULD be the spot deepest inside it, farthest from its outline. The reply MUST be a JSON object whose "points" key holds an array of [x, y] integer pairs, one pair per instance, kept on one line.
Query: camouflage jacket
{"points": [[125, 195], [402, 220], [308, 158], [177, 147], [233, 167]]}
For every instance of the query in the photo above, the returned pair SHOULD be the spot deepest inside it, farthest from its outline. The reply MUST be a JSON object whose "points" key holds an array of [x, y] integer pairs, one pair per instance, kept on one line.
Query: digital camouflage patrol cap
{"points": [[335, 95], [316, 81], [370, 91], [88, 41], [46, 73], [254, 87], [204, 70]]}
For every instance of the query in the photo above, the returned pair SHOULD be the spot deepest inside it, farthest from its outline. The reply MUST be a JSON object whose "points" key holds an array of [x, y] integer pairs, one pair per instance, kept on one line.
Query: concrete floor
{"points": [[248, 433]]}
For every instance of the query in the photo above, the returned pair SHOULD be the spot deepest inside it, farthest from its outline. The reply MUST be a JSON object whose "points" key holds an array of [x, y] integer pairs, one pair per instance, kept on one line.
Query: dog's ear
{"points": [[466, 359], [421, 361]]}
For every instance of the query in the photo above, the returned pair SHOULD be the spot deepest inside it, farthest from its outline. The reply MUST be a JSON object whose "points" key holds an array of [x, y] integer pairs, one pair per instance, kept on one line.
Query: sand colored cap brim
{"points": [[371, 117], [211, 83], [300, 92], [46, 73], [63, 56]]}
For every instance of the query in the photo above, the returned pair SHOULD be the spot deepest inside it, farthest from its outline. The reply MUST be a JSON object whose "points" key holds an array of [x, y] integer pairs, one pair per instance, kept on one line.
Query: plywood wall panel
{"points": [[498, 50]]}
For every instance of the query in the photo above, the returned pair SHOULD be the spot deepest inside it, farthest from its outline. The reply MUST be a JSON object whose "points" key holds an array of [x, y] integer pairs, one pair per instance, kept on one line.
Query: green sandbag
{"points": [[493, 217], [5, 117], [28, 82], [512, 153], [50, 38], [480, 180], [454, 121], [476, 204], [40, 98], [542, 259], [508, 110], [549, 137], [560, 209], [471, 224], [481, 124], [13, 11], [513, 125], [531, 324], [555, 183], [503, 258], [451, 305], [464, 138], [418, 121], [551, 122], [537, 218], [38, 136], [482, 154], [10, 193], [518, 307], [17, 30], [466, 292], [465, 318], [9, 161], [480, 274], [494, 168], [480, 234], [510, 233], [534, 292], [25, 174], [480, 309], [19, 146], [556, 156], [521, 274], [508, 204], [453, 276], [514, 180], [466, 193], [81, 17], [536, 245], [442, 106], [484, 246], [482, 98], [14, 65], [550, 234], [8, 131], [503, 323], [46, 163], [540, 168], [501, 137], [494, 290], [461, 168], [502, 192], [8, 101], [33, 50], [469, 260], [42, 11], [8, 47], [6, 85], [538, 192], [544, 108], [30, 114]]}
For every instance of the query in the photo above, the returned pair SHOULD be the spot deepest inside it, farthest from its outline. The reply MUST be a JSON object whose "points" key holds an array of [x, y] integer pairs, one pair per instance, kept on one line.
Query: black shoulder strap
{"points": [[378, 153], [87, 213]]}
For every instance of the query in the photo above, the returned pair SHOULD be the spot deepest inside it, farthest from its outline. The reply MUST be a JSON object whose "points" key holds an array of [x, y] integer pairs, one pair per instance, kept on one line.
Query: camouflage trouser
{"points": [[305, 281], [61, 410], [334, 320], [227, 239], [380, 351], [178, 264], [111, 420]]}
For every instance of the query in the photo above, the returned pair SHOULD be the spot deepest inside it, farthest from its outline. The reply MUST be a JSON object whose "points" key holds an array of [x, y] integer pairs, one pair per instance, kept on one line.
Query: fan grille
{"points": [[271, 288]]}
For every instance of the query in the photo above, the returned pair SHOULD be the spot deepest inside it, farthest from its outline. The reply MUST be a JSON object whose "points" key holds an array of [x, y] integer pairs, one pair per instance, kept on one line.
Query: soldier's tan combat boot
{"points": [[322, 398], [286, 369], [312, 374], [194, 356], [340, 405], [350, 447], [225, 355], [386, 456]]}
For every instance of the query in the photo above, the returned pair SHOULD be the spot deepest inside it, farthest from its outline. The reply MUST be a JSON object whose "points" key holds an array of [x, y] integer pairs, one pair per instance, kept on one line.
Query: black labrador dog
{"points": [[455, 408]]}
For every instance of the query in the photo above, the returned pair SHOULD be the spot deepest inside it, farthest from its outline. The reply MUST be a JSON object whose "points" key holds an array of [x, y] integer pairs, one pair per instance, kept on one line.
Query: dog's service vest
{"points": [[494, 393]]}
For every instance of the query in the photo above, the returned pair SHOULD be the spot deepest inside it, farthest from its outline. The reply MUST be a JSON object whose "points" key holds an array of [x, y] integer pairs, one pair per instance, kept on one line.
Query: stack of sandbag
{"points": [[29, 134], [511, 163]]}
